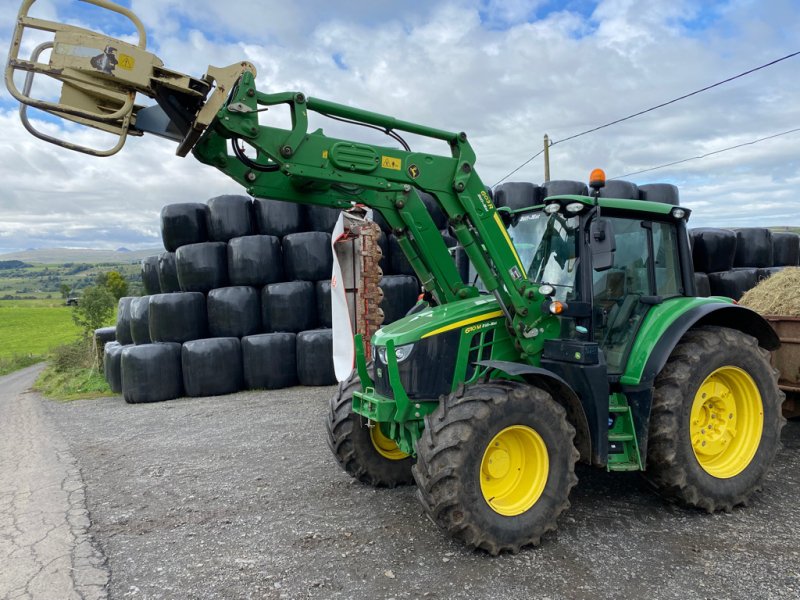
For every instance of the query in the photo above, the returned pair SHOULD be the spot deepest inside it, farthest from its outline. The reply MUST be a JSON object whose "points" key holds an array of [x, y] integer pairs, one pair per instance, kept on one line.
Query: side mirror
{"points": [[602, 243]]}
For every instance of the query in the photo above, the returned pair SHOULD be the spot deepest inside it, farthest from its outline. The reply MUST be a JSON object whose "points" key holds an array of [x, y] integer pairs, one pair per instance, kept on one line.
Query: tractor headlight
{"points": [[678, 213], [575, 207], [551, 208], [400, 352]]}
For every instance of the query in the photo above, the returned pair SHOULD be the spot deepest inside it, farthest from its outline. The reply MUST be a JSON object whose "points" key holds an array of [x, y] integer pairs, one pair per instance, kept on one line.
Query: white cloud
{"points": [[493, 69]]}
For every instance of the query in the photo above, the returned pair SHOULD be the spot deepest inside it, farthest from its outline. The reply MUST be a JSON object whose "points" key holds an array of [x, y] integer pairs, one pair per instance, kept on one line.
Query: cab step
{"points": [[623, 448]]}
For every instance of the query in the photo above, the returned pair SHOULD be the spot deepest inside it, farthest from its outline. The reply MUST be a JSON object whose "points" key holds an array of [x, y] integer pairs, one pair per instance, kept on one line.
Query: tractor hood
{"points": [[433, 321]]}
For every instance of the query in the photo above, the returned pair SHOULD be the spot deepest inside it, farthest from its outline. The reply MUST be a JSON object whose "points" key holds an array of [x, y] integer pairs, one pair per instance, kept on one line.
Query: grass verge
{"points": [[15, 362], [72, 374]]}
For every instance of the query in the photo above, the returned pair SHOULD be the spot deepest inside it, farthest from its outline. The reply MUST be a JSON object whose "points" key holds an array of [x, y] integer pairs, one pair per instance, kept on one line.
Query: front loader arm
{"points": [[216, 118]]}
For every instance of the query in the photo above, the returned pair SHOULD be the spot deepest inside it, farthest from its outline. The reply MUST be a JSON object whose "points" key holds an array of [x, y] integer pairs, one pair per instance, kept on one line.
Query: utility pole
{"points": [[546, 158]]}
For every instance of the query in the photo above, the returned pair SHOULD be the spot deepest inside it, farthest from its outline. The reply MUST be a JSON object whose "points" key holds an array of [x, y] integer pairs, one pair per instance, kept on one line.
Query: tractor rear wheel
{"points": [[362, 450], [495, 465], [716, 420]]}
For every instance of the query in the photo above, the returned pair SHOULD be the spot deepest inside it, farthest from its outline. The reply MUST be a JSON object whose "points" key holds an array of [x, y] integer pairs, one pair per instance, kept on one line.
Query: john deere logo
{"points": [[413, 171]]}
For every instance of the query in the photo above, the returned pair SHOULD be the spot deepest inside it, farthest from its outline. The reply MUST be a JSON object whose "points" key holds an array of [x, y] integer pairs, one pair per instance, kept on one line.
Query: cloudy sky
{"points": [[507, 72]]}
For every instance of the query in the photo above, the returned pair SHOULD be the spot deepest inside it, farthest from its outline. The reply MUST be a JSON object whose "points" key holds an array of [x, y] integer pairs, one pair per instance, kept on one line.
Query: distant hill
{"points": [[57, 256], [13, 264]]}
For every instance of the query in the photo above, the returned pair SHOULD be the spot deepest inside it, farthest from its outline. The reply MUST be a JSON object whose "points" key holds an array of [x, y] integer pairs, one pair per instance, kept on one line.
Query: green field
{"points": [[34, 326]]}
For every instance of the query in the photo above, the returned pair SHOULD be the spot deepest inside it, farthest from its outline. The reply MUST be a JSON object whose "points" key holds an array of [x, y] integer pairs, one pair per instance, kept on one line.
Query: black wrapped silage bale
{"points": [[202, 267], [323, 294], [234, 311], [178, 317], [104, 335], [269, 361], [768, 272], [112, 355], [563, 187], [518, 194], [400, 294], [732, 284], [434, 210], [753, 247], [124, 320], [321, 218], [278, 218], [459, 256], [168, 273], [398, 262], [315, 357], [616, 188], [666, 193], [307, 256], [212, 367], [290, 306], [140, 320], [229, 216], [255, 260], [785, 249], [702, 287], [150, 280], [151, 373], [378, 218], [713, 249], [183, 224]]}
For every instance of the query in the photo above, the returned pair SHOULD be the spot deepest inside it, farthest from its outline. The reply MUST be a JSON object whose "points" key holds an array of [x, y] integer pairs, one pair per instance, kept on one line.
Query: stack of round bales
{"points": [[729, 262], [240, 299]]}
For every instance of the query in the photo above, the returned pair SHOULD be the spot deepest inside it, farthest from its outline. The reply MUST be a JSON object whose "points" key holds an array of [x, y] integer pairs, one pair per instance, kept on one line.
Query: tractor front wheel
{"points": [[495, 465], [716, 420], [362, 449]]}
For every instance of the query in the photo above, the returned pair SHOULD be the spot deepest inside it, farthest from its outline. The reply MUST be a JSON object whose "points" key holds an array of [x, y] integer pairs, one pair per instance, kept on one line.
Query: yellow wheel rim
{"points": [[514, 470], [384, 445], [727, 419]]}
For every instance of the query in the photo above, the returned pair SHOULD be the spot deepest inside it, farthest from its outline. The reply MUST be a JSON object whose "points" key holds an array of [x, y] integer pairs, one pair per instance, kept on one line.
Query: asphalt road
{"points": [[238, 497]]}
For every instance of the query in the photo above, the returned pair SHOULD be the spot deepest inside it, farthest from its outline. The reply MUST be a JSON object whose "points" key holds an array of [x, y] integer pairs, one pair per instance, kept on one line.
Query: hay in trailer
{"points": [[776, 295]]}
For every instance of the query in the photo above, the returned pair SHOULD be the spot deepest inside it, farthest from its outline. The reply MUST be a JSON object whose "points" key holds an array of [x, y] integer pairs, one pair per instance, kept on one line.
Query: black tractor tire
{"points": [[452, 457], [350, 440], [673, 467]]}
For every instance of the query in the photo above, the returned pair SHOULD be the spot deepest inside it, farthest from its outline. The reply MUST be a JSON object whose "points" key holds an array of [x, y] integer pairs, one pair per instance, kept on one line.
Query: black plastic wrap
{"points": [[183, 224], [290, 306], [212, 367], [615, 188], [321, 218], [753, 247], [229, 216], [278, 218], [124, 320], [785, 249], [732, 284], [307, 256], [104, 335], [559, 187], [202, 267], [712, 249], [234, 311], [151, 373], [150, 280], [381, 222], [518, 194], [269, 361], [255, 260], [437, 214], [767, 272], [400, 293], [398, 262], [323, 293], [701, 284], [140, 320], [112, 355], [168, 273], [178, 317], [315, 357], [666, 193]]}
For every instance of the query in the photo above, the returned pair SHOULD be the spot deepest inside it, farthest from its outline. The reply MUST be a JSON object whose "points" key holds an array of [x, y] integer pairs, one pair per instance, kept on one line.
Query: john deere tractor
{"points": [[581, 338]]}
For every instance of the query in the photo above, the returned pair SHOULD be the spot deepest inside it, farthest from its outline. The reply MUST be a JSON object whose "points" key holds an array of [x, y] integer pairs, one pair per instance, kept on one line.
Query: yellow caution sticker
{"points": [[125, 61], [324, 154], [389, 162]]}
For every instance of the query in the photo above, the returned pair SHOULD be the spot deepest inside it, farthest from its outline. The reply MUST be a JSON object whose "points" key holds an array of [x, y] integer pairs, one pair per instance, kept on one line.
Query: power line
{"points": [[707, 154], [652, 108]]}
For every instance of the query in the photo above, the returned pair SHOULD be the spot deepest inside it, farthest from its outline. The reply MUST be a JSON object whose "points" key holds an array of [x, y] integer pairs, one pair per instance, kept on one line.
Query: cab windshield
{"points": [[546, 245]]}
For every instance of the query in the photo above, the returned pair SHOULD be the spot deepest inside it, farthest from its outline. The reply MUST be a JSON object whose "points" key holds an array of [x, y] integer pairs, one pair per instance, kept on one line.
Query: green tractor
{"points": [[585, 341]]}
